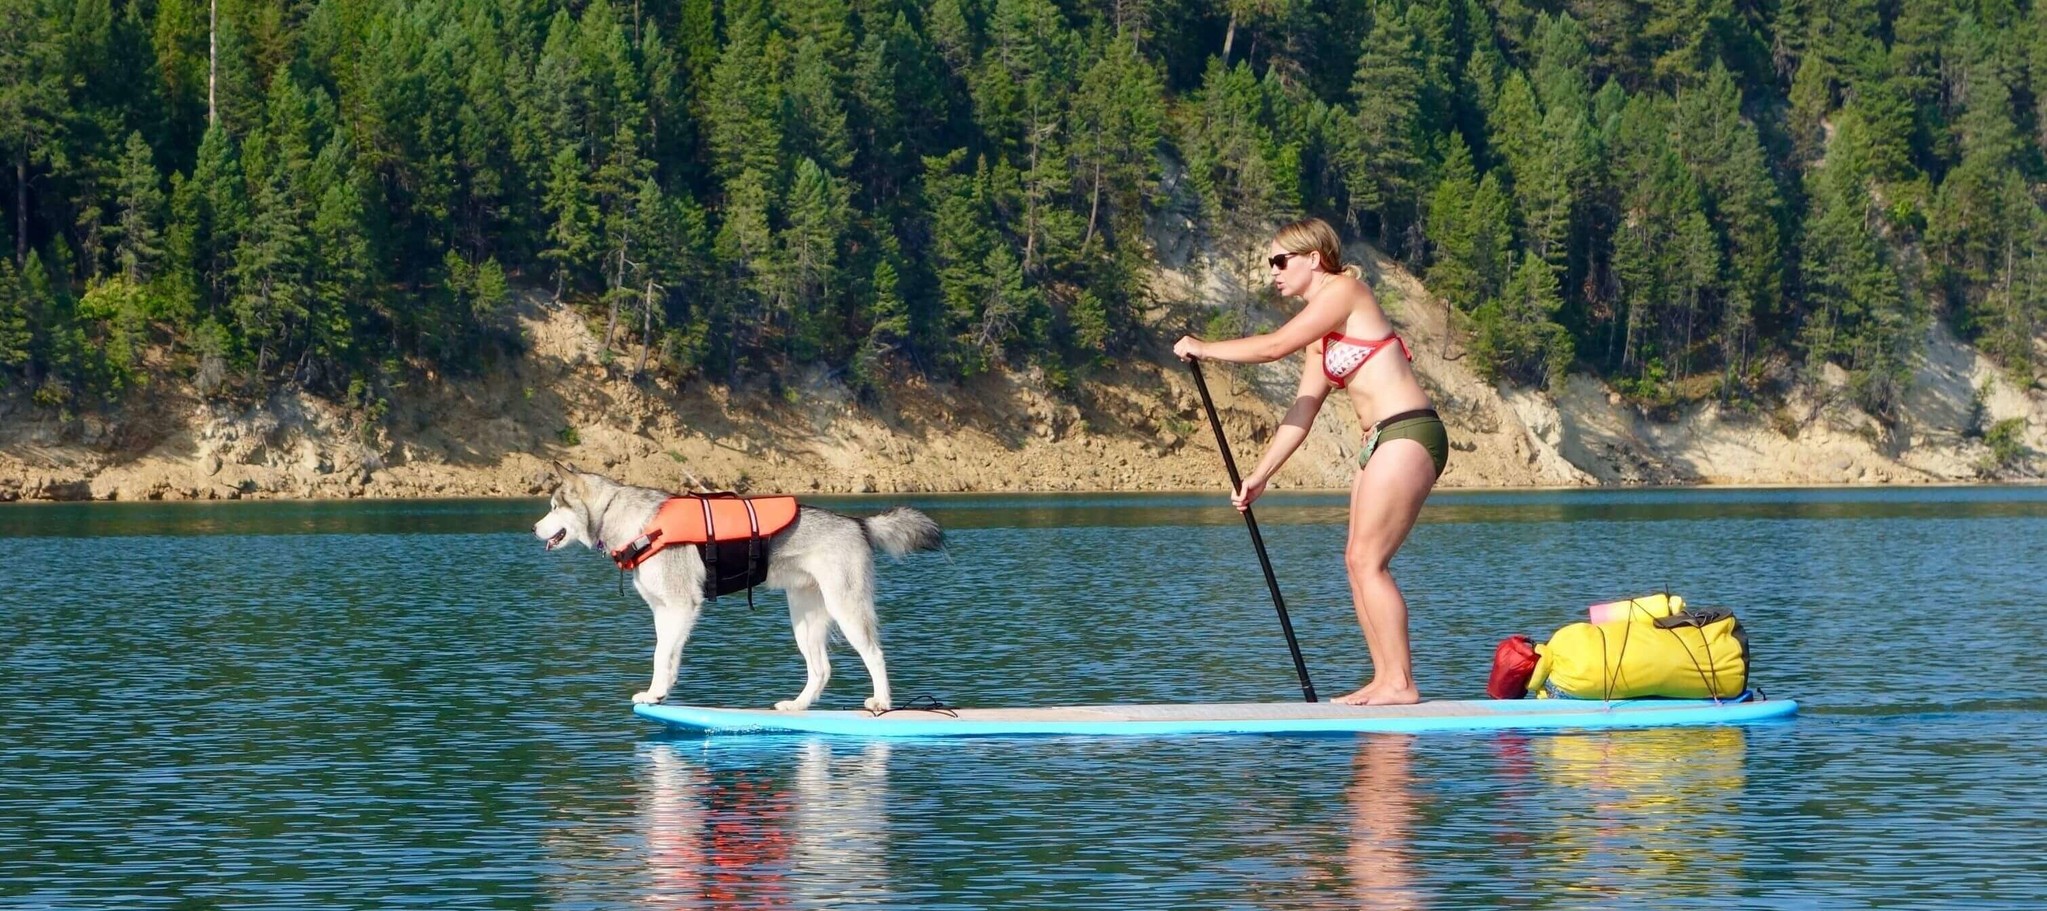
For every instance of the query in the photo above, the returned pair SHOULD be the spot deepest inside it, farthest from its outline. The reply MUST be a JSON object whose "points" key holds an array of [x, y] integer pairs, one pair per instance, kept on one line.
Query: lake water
{"points": [[381, 705]]}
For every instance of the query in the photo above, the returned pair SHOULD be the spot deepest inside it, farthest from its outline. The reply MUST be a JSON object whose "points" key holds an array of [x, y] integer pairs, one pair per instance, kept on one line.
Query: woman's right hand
{"points": [[1253, 487]]}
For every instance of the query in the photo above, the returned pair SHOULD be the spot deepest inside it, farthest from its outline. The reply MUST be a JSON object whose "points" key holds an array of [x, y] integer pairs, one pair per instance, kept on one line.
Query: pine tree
{"points": [[1514, 128], [1637, 269], [824, 23], [138, 237], [1492, 227], [1005, 311], [809, 261], [1560, 75], [273, 255], [1517, 336], [1435, 28], [952, 35], [743, 123], [1021, 96], [816, 119], [562, 88], [1386, 88], [344, 270], [1234, 162], [745, 249], [962, 240], [661, 267], [571, 238], [53, 342], [888, 318], [178, 39], [670, 123], [1812, 99], [1698, 284], [211, 215], [1857, 313], [496, 153], [1723, 152], [15, 337], [1656, 195], [696, 39], [1453, 274], [33, 104], [1119, 118], [1984, 216], [876, 126]]}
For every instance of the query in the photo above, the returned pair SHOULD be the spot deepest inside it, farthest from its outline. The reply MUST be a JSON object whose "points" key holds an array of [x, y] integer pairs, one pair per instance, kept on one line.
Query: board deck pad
{"points": [[1226, 718]]}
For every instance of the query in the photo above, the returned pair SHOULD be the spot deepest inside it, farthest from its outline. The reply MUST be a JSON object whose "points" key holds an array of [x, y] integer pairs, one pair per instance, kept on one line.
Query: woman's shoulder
{"points": [[1353, 288]]}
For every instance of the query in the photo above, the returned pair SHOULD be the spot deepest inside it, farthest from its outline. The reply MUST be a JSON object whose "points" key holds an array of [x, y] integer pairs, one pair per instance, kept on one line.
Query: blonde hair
{"points": [[1313, 235]]}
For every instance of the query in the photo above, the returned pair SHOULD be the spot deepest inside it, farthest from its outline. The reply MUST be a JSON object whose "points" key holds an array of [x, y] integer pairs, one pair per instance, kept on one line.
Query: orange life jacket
{"points": [[731, 531]]}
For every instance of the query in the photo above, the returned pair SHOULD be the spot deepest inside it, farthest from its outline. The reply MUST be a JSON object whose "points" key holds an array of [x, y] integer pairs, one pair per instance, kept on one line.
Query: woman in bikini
{"points": [[1347, 338]]}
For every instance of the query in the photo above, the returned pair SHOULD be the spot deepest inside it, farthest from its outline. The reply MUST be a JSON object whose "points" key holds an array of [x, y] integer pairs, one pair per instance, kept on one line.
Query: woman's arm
{"points": [[1292, 430], [1318, 318]]}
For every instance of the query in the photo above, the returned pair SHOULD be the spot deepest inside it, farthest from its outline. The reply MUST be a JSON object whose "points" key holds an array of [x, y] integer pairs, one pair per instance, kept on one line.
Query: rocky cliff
{"points": [[1136, 425]]}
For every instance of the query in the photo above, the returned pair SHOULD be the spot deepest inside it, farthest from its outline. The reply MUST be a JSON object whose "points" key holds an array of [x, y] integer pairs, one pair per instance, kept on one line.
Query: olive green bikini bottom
{"points": [[1423, 426]]}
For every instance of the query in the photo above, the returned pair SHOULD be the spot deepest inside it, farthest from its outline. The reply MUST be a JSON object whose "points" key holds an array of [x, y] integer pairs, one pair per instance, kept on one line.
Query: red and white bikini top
{"points": [[1343, 355]]}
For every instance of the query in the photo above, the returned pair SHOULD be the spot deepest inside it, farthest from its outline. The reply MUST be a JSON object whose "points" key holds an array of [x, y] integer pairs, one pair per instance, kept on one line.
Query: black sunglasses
{"points": [[1279, 260]]}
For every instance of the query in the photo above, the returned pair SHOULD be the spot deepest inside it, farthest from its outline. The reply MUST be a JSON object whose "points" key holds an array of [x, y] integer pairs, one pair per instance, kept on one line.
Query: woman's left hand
{"points": [[1187, 348], [1249, 493]]}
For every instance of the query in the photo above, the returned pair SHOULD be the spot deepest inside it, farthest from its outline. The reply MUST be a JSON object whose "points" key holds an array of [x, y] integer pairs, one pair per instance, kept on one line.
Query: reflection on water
{"points": [[374, 705], [969, 511], [794, 824], [1383, 803], [1640, 806]]}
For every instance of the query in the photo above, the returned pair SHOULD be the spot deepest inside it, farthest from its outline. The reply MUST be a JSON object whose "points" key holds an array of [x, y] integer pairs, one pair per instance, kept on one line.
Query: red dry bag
{"points": [[1513, 663]]}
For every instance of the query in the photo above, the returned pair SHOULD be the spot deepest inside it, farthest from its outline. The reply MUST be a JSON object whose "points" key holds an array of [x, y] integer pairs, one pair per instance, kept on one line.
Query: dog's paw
{"points": [[791, 705], [646, 697], [877, 704]]}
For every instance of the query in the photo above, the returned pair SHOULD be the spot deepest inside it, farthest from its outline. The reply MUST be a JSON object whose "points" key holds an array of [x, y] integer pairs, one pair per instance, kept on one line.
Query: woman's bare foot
{"points": [[1364, 695], [1392, 695]]}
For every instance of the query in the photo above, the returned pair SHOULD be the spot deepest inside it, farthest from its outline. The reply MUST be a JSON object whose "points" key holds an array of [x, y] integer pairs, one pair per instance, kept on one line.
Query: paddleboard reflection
{"points": [[771, 824]]}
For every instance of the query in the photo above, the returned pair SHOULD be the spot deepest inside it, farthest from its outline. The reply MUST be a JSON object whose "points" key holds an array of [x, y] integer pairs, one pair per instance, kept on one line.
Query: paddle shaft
{"points": [[1257, 541]]}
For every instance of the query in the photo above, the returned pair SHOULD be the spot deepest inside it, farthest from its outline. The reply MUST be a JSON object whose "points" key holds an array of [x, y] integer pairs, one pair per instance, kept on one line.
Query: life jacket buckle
{"points": [[628, 557]]}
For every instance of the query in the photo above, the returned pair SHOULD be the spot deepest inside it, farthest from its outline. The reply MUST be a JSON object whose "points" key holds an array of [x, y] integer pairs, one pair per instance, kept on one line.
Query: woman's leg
{"points": [[1386, 497]]}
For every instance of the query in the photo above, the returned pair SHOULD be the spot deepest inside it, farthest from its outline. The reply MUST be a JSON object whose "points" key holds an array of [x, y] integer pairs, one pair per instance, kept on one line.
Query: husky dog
{"points": [[823, 560]]}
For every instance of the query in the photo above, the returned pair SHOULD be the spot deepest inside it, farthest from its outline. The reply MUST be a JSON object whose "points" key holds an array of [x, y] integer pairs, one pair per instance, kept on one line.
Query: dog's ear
{"points": [[565, 476]]}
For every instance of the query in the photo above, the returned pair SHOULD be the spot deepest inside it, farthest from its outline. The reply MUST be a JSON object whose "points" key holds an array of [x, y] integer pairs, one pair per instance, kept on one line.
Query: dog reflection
{"points": [[731, 828]]}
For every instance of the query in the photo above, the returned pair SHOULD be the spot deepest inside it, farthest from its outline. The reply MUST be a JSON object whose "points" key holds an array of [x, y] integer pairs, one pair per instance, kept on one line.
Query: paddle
{"points": [[1257, 542]]}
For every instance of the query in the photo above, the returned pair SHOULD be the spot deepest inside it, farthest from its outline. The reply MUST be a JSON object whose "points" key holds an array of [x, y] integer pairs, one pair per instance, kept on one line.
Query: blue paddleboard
{"points": [[1233, 718]]}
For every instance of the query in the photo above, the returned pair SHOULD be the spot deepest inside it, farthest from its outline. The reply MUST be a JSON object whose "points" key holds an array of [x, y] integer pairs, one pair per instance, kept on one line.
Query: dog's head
{"points": [[568, 518]]}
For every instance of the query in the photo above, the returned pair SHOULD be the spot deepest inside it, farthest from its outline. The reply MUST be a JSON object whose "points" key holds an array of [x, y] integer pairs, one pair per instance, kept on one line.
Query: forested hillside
{"points": [[1690, 198]]}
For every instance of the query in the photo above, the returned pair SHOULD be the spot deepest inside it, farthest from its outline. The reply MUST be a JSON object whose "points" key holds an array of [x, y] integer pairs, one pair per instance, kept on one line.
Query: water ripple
{"points": [[375, 705]]}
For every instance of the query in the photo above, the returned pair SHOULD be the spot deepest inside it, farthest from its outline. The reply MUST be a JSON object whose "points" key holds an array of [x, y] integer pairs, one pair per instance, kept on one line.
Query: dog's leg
{"points": [[849, 598], [673, 617], [812, 627]]}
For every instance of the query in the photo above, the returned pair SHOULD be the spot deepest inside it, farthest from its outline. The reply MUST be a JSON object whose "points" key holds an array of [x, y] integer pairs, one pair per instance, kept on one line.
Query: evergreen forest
{"points": [[1689, 198]]}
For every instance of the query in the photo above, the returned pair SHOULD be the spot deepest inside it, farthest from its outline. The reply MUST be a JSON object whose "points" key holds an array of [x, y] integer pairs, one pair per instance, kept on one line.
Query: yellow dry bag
{"points": [[1699, 654]]}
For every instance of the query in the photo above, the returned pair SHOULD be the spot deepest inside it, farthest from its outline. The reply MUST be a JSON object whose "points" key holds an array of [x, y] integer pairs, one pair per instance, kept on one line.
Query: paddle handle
{"points": [[1286, 624]]}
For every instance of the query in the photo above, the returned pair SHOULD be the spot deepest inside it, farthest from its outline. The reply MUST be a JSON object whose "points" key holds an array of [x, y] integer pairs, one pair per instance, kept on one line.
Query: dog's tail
{"points": [[902, 530]]}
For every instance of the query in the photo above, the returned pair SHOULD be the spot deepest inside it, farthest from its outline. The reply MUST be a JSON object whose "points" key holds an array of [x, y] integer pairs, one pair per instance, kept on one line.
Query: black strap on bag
{"points": [[720, 576]]}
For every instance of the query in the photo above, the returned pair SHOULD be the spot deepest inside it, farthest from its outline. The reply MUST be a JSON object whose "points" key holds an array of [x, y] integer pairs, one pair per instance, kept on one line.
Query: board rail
{"points": [[1226, 718]]}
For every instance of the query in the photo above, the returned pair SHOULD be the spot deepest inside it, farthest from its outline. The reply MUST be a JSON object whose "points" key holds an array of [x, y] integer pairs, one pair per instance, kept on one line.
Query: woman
{"points": [[1405, 449]]}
